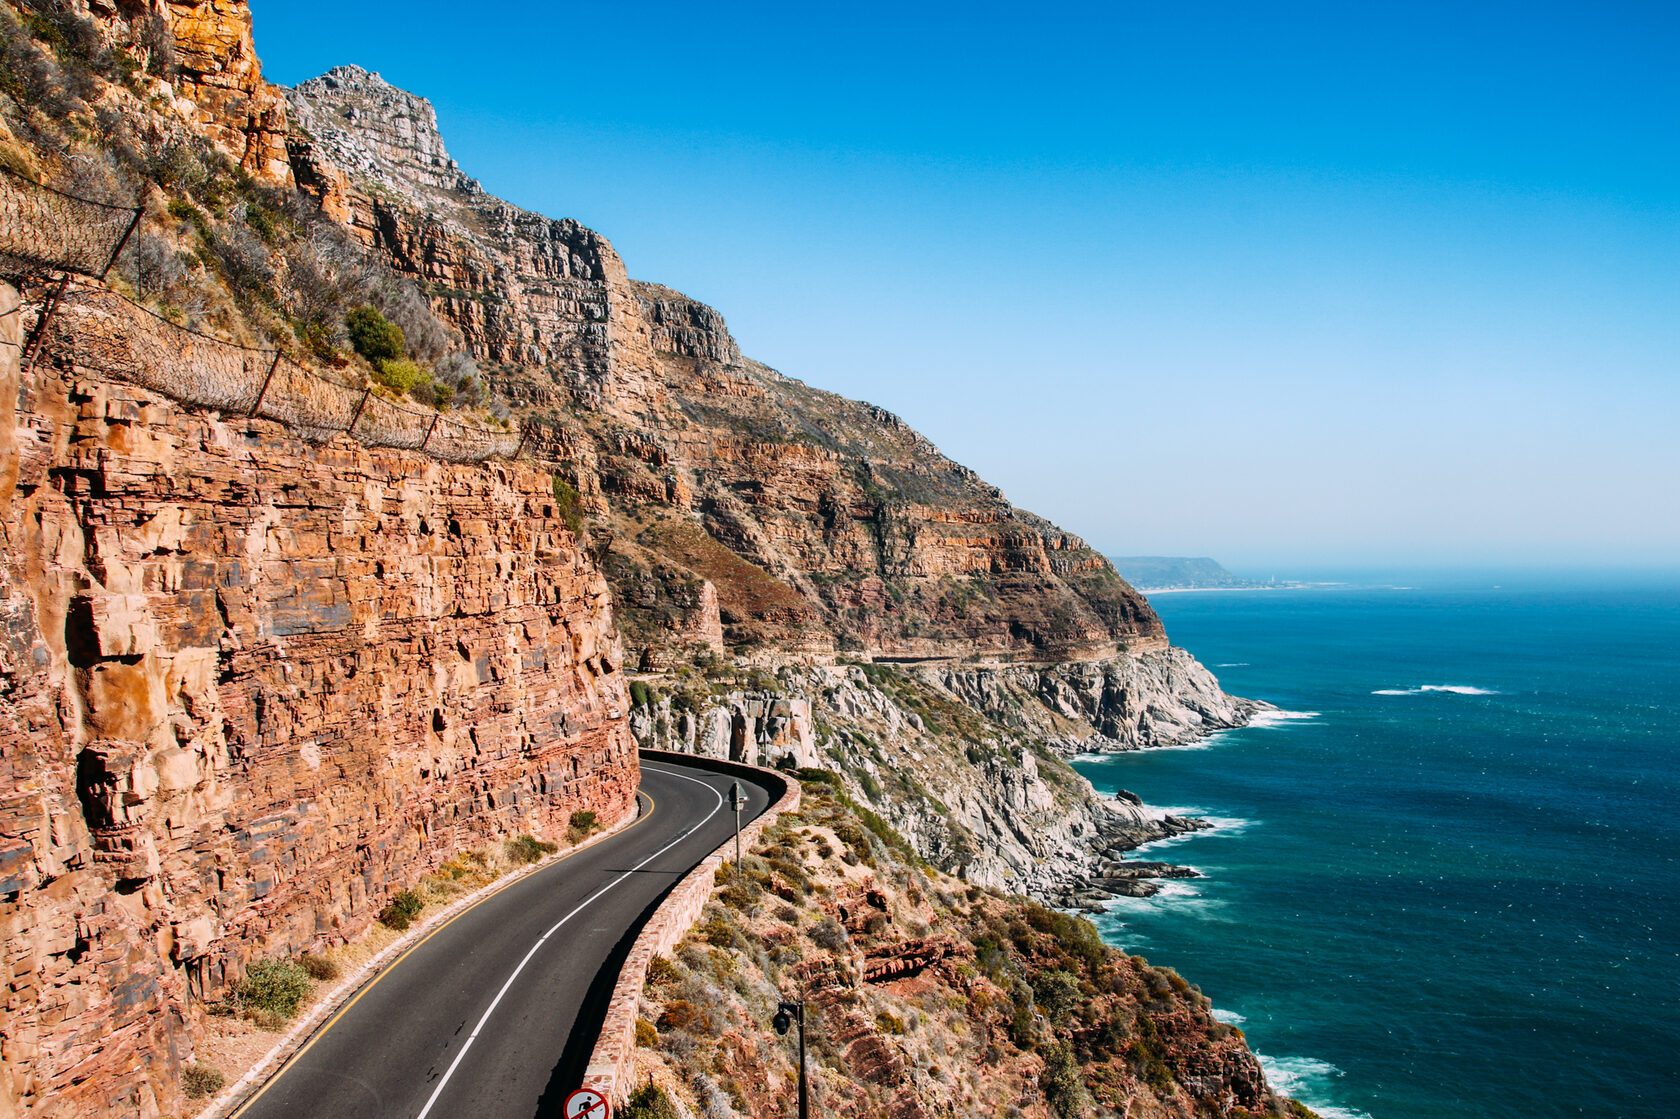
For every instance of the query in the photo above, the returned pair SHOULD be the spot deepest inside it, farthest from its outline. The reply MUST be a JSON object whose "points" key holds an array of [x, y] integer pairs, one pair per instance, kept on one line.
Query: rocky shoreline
{"points": [[967, 763]]}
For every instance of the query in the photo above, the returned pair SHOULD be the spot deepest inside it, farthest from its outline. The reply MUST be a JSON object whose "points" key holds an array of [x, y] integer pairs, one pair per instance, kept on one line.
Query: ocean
{"points": [[1446, 882]]}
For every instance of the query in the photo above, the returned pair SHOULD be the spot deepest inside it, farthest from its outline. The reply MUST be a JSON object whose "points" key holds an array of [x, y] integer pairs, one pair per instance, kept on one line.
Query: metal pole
{"points": [[262, 392], [429, 431], [127, 233], [524, 430], [735, 803], [32, 348], [804, 1106], [359, 406]]}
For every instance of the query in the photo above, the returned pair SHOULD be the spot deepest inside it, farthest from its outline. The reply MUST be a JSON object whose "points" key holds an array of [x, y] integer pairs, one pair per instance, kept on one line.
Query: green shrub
{"points": [[1060, 1080], [374, 336], [199, 1080], [1057, 994], [400, 912], [272, 988], [566, 500], [649, 1102], [641, 695], [529, 849], [582, 824], [647, 1037], [400, 374]]}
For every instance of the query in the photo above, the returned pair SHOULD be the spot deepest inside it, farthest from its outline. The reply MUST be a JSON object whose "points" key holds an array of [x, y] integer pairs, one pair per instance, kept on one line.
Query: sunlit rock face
{"points": [[250, 686], [816, 524]]}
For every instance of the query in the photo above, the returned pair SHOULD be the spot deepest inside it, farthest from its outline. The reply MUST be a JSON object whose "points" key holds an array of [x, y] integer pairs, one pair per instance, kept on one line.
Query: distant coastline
{"points": [[1163, 574]]}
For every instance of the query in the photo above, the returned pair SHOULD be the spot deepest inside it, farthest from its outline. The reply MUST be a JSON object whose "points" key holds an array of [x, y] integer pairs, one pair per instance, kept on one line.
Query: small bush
{"points": [[199, 1080], [400, 375], [272, 989], [889, 1023], [374, 336], [529, 849], [566, 505], [318, 967], [582, 824], [649, 1102], [661, 971], [684, 1015], [399, 913], [647, 1037]]}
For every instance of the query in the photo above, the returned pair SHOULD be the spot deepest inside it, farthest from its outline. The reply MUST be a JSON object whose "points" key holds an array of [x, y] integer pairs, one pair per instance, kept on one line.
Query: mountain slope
{"points": [[858, 536]]}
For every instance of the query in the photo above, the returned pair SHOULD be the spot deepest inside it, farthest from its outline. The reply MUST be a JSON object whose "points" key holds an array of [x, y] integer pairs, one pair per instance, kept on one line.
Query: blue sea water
{"points": [[1427, 902]]}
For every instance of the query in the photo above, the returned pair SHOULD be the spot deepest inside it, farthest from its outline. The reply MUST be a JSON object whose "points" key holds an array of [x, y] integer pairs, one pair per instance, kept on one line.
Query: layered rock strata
{"points": [[250, 686], [820, 524], [957, 760]]}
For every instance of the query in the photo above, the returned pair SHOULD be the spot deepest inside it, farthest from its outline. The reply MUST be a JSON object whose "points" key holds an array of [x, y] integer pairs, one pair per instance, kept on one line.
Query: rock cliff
{"points": [[249, 686], [820, 524]]}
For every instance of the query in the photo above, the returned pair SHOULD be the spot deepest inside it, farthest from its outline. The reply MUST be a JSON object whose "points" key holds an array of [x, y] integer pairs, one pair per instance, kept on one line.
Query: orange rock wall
{"points": [[219, 81], [249, 687]]}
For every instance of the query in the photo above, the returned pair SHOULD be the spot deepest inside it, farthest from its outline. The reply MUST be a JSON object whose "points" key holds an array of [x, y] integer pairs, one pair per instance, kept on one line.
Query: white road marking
{"points": [[491, 1009]]}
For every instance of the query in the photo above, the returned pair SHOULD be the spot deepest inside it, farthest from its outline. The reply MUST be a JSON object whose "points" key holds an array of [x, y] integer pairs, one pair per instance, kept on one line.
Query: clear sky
{"points": [[1282, 283]]}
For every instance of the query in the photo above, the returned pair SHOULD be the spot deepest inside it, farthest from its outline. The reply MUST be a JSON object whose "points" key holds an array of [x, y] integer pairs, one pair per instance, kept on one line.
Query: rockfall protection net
{"points": [[42, 229], [96, 329]]}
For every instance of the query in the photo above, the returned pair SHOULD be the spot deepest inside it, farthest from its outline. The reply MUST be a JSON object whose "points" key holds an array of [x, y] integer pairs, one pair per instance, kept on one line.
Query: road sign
{"points": [[586, 1103]]}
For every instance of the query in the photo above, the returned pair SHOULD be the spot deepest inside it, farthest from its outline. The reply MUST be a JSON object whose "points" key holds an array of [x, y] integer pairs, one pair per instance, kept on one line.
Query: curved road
{"points": [[494, 1015]]}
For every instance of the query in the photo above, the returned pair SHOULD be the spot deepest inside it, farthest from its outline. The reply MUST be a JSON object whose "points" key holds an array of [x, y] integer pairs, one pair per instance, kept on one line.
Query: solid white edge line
{"points": [[491, 1009]]}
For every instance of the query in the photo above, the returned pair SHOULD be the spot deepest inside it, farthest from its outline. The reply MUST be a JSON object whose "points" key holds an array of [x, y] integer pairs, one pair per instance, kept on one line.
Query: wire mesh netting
{"points": [[44, 229], [96, 329]]}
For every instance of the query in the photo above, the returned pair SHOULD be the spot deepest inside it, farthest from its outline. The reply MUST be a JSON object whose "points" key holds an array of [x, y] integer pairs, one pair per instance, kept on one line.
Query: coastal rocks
{"points": [[756, 728], [970, 794], [1157, 698], [249, 687]]}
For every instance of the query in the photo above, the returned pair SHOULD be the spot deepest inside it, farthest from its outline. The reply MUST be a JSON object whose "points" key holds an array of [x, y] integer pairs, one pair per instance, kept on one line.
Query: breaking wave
{"points": [[1307, 1079], [1455, 689]]}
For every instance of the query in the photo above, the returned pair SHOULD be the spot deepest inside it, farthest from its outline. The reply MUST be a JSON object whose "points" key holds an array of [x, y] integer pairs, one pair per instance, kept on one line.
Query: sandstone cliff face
{"points": [[821, 523], [250, 686], [220, 87]]}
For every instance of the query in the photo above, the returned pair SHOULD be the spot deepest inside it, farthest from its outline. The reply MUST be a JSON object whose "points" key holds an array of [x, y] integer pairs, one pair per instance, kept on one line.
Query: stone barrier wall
{"points": [[610, 1065]]}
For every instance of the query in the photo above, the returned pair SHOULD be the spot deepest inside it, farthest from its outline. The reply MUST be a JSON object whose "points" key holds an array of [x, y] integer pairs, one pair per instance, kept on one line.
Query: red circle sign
{"points": [[586, 1103]]}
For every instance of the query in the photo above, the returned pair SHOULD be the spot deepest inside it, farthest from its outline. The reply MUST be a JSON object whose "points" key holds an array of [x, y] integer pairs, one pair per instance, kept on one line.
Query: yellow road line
{"points": [[392, 966]]}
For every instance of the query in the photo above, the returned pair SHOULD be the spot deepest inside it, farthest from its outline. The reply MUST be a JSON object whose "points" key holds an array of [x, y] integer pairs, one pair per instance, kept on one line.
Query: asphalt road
{"points": [[494, 1015]]}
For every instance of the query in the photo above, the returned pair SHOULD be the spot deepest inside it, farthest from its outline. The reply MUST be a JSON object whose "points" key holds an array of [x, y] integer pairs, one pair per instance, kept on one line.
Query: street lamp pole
{"points": [[789, 1013]]}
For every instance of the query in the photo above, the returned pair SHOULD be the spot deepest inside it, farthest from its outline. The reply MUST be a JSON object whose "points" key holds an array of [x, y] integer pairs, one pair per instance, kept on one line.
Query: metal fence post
{"points": [[262, 392], [362, 403], [429, 431], [133, 223], [32, 348], [524, 430]]}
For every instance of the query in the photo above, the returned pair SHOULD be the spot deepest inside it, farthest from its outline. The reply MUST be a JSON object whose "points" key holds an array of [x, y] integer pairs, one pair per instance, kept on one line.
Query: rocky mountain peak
{"points": [[367, 126]]}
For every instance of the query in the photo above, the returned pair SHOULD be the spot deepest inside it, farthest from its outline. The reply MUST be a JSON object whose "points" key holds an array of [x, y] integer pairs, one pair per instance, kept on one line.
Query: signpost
{"points": [[737, 801], [586, 1103]]}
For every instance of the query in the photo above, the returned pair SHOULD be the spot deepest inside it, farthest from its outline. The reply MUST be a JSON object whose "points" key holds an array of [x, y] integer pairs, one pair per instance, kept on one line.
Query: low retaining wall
{"points": [[610, 1065]]}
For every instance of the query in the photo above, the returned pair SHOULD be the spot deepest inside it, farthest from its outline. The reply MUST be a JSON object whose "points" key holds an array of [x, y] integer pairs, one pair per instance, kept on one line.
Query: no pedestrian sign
{"points": [[586, 1103]]}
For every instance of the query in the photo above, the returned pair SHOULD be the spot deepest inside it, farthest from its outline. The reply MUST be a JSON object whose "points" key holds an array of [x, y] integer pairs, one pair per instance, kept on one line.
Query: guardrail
{"points": [[611, 1068]]}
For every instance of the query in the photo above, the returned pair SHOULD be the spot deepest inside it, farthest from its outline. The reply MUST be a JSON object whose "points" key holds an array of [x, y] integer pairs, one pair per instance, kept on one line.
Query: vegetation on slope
{"points": [[924, 995]]}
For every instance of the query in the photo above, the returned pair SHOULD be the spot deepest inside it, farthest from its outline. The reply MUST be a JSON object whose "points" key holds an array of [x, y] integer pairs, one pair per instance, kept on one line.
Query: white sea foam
{"points": [[1277, 717], [1229, 1017], [1307, 1079], [1232, 664], [1455, 689]]}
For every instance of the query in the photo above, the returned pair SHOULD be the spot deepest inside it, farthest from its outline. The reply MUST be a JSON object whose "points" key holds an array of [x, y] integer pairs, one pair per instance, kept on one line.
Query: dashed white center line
{"points": [[491, 1009]]}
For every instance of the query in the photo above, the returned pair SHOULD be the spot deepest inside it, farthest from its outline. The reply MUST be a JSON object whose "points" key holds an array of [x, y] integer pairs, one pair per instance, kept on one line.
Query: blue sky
{"points": [[1286, 284]]}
